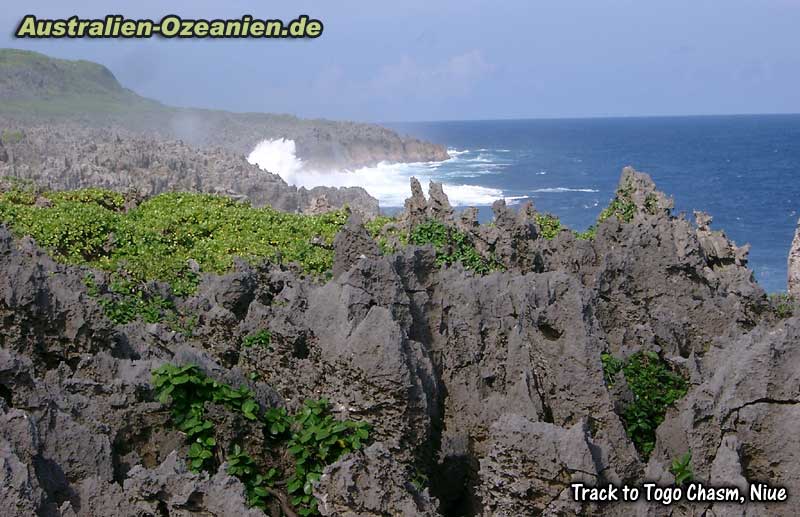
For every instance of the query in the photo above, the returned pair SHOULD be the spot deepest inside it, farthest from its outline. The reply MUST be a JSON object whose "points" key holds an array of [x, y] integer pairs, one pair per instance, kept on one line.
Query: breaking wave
{"points": [[388, 182]]}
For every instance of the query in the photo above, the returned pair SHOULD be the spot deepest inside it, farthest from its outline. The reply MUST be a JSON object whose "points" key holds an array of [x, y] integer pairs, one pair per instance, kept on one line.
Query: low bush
{"points": [[549, 225], [681, 468], [655, 388], [386, 233], [783, 305], [452, 246], [622, 206], [303, 443], [261, 338], [155, 240], [11, 136]]}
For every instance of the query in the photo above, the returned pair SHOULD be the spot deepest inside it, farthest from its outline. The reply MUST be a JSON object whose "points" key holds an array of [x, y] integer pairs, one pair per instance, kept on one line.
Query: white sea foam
{"points": [[278, 156], [563, 189], [387, 182]]}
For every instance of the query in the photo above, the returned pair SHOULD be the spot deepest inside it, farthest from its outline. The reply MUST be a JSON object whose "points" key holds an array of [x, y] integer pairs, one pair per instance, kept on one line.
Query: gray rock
{"points": [[65, 155], [371, 483], [530, 466], [794, 264], [490, 386], [352, 244]]}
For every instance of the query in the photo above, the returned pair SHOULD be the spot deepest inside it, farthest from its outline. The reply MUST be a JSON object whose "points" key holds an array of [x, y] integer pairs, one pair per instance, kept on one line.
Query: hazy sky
{"points": [[381, 60]]}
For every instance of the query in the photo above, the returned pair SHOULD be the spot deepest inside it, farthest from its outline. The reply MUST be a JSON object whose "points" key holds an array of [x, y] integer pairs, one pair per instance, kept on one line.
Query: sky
{"points": [[458, 60]]}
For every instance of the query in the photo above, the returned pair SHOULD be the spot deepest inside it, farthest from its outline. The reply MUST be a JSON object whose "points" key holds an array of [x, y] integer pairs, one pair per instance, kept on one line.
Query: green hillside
{"points": [[34, 83]]}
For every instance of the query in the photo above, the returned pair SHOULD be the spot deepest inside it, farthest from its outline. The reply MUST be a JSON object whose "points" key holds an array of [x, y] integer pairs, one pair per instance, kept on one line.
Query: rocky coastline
{"points": [[495, 366]]}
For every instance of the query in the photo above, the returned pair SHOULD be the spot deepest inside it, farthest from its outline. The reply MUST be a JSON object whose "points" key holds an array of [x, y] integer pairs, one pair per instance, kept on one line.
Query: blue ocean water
{"points": [[742, 170]]}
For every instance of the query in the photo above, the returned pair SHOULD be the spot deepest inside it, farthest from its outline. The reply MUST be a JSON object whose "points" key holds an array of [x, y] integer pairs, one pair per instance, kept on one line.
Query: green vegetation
{"points": [[549, 225], [316, 440], [312, 437], [588, 234], [261, 338], [611, 367], [622, 206], [452, 246], [35, 83], [783, 304], [385, 232], [681, 468], [155, 240], [11, 137], [655, 388], [124, 300]]}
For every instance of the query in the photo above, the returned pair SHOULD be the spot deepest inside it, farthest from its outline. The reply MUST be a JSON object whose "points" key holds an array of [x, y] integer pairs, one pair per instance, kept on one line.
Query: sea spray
{"points": [[388, 182], [279, 157]]}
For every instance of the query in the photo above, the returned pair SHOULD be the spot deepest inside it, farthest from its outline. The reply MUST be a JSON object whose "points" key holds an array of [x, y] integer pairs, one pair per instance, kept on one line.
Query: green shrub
{"points": [[317, 440], [308, 440], [622, 206], [261, 338], [587, 235], [655, 388], [9, 136], [611, 367], [681, 468], [385, 232], [549, 225], [155, 240], [452, 246], [783, 304], [74, 232], [125, 300], [96, 196]]}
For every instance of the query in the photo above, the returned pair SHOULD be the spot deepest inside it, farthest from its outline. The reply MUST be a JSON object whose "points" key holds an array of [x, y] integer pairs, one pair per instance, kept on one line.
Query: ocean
{"points": [[742, 170]]}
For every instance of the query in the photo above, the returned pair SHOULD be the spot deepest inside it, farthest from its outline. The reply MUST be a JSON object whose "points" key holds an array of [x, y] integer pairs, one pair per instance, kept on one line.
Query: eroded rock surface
{"points": [[66, 156], [486, 393], [794, 265]]}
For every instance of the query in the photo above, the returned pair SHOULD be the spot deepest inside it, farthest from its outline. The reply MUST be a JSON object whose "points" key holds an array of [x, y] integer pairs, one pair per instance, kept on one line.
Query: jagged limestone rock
{"points": [[370, 483], [352, 243], [491, 387], [794, 265]]}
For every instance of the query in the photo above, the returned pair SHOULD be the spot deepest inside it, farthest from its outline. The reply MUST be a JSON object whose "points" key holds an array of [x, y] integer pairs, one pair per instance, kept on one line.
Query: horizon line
{"points": [[590, 117]]}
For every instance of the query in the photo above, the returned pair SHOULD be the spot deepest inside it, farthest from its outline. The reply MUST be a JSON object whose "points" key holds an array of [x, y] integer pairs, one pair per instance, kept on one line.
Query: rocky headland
{"points": [[440, 367], [67, 155], [37, 89]]}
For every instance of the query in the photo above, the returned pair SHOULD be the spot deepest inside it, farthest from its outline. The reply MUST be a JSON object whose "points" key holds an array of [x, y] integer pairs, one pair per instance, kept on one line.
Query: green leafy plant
{"points": [[611, 367], [257, 485], [317, 440], [681, 468], [386, 233], [452, 246], [9, 136], [549, 225], [312, 437], [155, 240], [651, 204], [783, 304], [588, 234], [622, 206], [655, 388], [125, 300], [261, 338], [187, 390]]}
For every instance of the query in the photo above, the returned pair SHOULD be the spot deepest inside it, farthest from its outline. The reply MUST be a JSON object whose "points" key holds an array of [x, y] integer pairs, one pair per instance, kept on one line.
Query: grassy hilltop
{"points": [[34, 83], [36, 88]]}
